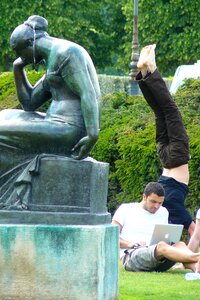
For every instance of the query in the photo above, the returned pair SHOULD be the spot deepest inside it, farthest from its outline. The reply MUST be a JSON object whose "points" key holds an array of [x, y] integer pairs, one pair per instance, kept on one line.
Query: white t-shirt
{"points": [[137, 223], [198, 214]]}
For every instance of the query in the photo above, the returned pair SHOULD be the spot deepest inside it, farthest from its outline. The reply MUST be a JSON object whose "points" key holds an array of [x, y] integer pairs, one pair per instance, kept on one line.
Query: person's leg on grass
{"points": [[194, 241], [178, 253]]}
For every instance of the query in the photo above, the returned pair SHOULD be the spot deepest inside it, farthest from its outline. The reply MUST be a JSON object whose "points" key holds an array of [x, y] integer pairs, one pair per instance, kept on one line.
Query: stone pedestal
{"points": [[43, 262], [64, 191], [63, 246]]}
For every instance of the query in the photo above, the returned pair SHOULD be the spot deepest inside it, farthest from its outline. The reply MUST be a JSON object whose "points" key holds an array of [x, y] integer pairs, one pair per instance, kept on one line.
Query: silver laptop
{"points": [[169, 233]]}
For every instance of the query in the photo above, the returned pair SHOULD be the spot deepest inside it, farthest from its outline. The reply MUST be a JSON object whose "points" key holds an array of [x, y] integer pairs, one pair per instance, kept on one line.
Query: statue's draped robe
{"points": [[22, 146]]}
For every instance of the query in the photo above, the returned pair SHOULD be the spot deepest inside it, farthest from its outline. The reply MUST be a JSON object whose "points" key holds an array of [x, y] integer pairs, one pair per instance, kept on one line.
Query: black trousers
{"points": [[171, 137]]}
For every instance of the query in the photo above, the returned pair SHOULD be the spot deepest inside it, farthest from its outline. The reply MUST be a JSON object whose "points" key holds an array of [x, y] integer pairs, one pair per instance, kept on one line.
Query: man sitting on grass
{"points": [[136, 222]]}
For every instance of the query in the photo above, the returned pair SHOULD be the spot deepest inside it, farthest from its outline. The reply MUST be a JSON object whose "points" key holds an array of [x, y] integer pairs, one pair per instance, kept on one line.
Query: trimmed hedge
{"points": [[8, 97], [108, 84]]}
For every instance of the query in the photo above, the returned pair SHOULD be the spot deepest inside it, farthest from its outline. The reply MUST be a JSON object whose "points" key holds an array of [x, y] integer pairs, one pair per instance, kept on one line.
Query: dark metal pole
{"points": [[133, 88]]}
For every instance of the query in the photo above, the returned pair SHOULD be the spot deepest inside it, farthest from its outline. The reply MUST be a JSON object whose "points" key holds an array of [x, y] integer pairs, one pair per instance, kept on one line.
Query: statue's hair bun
{"points": [[37, 23]]}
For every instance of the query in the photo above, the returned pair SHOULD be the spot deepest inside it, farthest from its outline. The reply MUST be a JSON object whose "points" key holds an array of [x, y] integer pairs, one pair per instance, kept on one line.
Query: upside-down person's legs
{"points": [[176, 152], [179, 253], [175, 127], [171, 136], [161, 129], [145, 57]]}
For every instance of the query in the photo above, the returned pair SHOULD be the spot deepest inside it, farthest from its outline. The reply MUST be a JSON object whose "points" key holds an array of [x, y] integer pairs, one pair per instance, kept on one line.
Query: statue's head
{"points": [[24, 36]]}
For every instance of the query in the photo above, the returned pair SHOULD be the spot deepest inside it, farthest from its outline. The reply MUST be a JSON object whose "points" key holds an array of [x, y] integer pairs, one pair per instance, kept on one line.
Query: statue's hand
{"points": [[19, 63], [82, 149]]}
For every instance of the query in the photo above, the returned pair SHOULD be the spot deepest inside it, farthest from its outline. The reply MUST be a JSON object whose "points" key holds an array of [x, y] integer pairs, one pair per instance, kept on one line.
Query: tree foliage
{"points": [[105, 27], [174, 25], [96, 25]]}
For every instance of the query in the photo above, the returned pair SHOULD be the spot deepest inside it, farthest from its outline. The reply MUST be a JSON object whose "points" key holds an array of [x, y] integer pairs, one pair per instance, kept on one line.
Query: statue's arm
{"points": [[81, 84], [30, 97]]}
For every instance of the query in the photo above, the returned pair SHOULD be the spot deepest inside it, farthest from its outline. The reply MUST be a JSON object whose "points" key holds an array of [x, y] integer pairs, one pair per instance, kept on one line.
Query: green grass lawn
{"points": [[153, 286]]}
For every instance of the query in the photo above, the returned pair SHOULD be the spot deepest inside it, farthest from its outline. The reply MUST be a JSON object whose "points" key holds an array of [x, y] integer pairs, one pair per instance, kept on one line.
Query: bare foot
{"points": [[197, 267], [147, 60]]}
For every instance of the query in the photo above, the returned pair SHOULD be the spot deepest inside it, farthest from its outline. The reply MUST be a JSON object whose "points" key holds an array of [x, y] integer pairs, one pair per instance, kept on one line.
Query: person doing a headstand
{"points": [[171, 139]]}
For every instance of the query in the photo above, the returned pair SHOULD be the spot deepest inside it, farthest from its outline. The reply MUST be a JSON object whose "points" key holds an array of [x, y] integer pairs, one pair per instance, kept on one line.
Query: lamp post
{"points": [[133, 85]]}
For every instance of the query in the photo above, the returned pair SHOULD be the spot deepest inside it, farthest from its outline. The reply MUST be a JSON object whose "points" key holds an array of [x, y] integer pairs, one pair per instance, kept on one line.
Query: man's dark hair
{"points": [[154, 187]]}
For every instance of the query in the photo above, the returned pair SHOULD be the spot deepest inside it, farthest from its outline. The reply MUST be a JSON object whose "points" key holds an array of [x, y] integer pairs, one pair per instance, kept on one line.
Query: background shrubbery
{"points": [[127, 138], [127, 142], [8, 96]]}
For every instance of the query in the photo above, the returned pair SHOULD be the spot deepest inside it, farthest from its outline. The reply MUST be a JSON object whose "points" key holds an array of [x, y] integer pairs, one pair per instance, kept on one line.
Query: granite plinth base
{"points": [[58, 262], [59, 218]]}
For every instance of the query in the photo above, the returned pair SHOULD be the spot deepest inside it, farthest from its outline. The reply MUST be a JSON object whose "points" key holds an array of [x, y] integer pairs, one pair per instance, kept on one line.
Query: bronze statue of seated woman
{"points": [[70, 126]]}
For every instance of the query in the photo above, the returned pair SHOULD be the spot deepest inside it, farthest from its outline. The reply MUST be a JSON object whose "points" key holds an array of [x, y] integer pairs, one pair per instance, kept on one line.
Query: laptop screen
{"points": [[169, 233]]}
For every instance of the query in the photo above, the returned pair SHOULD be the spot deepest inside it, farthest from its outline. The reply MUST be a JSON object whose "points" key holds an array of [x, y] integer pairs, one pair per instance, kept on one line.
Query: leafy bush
{"points": [[8, 96], [126, 122], [188, 100], [127, 142]]}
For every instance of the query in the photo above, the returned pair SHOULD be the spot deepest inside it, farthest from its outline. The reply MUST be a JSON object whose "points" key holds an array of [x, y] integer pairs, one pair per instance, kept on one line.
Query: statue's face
{"points": [[22, 43], [26, 54]]}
